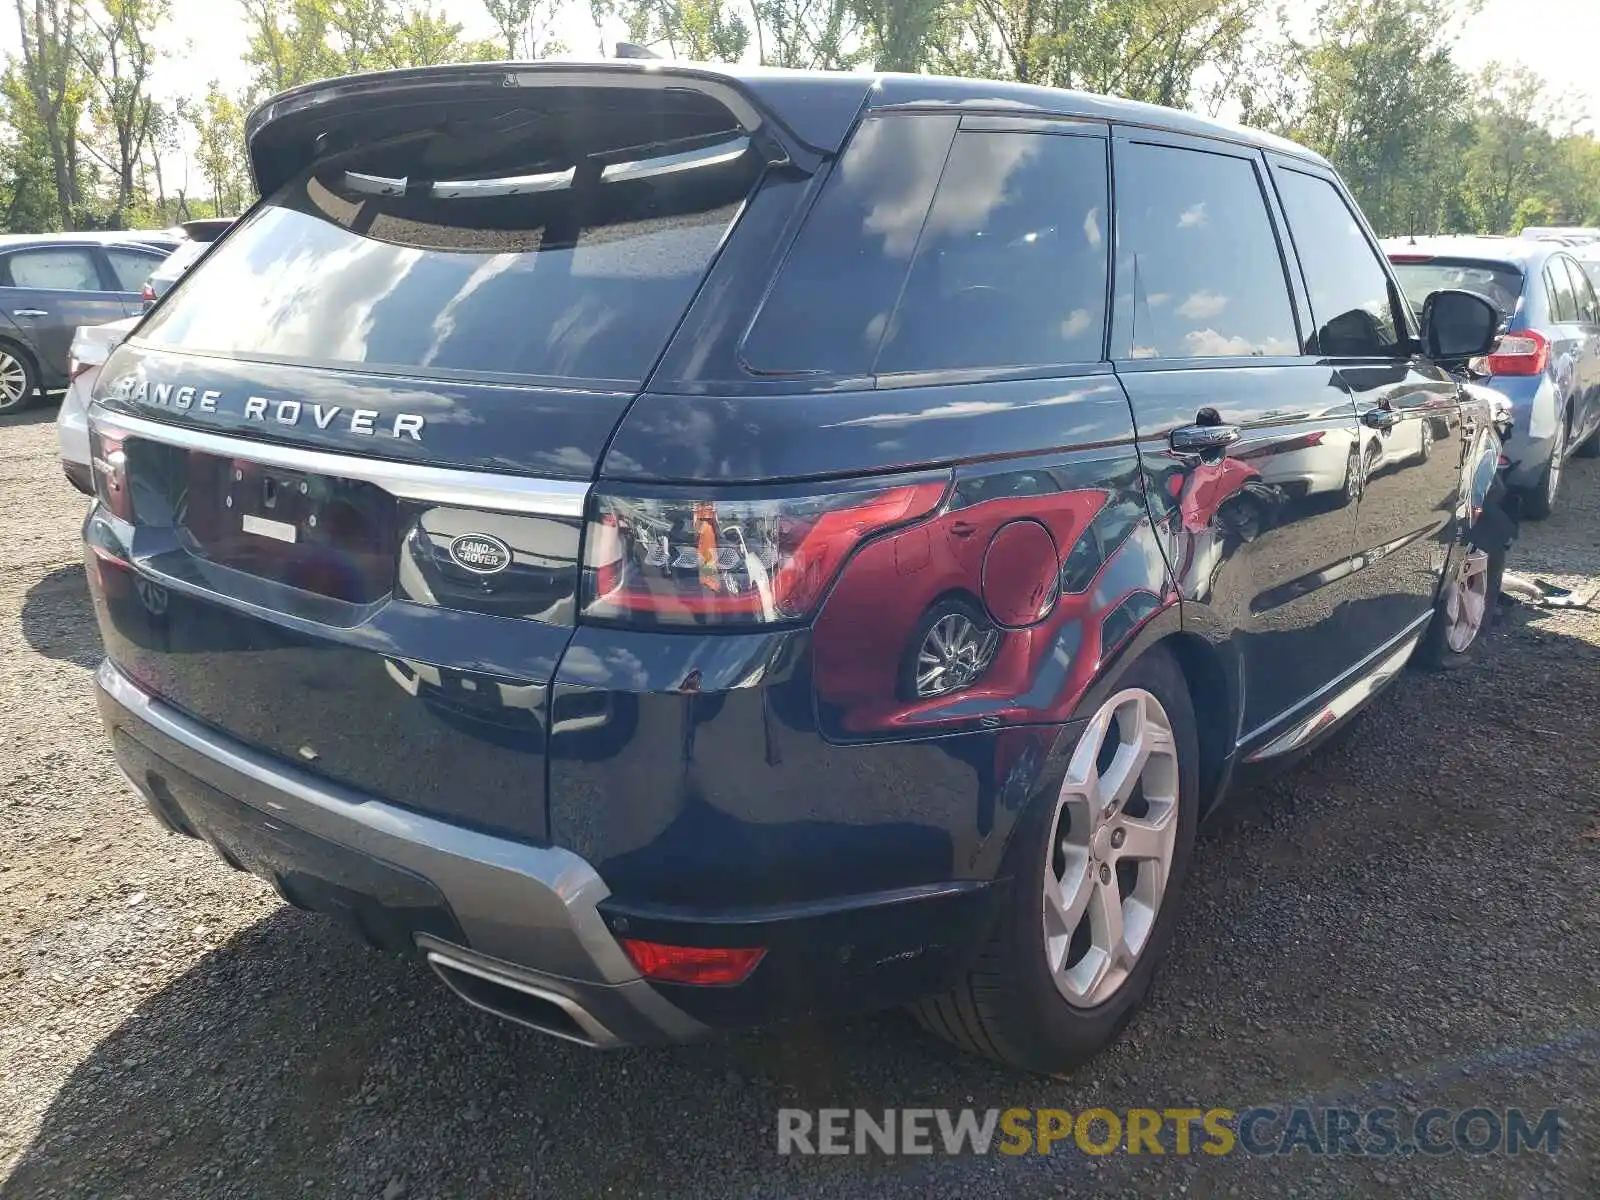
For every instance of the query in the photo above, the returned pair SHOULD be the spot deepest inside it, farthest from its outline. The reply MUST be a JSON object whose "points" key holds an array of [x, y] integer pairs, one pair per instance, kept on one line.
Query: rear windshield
{"points": [[1498, 283], [561, 245]]}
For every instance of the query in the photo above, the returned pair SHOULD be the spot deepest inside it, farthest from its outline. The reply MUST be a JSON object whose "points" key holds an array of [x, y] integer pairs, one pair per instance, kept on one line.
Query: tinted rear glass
{"points": [[568, 253], [1500, 284]]}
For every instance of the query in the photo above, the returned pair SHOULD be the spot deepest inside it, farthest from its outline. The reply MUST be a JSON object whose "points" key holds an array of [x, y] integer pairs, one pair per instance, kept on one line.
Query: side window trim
{"points": [[1120, 302], [1399, 311]]}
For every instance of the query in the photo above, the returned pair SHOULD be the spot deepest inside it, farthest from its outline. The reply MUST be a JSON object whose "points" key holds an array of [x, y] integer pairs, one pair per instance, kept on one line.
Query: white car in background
{"points": [[91, 346]]}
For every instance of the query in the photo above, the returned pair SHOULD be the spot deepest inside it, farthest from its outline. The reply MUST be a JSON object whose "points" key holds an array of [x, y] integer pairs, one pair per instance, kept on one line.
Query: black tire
{"points": [[1434, 652], [1539, 501], [12, 353], [1007, 1006]]}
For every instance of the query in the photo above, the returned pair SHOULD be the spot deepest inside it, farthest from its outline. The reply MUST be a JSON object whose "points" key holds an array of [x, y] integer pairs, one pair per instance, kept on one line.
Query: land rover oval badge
{"points": [[480, 553]]}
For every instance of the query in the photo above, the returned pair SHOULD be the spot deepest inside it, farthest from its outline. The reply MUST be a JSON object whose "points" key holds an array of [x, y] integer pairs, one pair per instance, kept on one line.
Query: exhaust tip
{"points": [[516, 999]]}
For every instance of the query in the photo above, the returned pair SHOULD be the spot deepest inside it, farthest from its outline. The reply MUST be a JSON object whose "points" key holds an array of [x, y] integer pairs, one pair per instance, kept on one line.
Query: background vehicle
{"points": [[913, 581], [200, 236], [50, 286], [1547, 362], [90, 347], [1572, 235]]}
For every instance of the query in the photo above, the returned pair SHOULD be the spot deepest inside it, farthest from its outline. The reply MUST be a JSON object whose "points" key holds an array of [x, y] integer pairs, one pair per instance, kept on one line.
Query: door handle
{"points": [[29, 312], [1383, 419], [1203, 439]]}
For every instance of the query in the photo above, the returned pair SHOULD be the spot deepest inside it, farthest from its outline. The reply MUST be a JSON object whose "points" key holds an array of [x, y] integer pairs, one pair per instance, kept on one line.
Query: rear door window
{"points": [[1011, 267], [936, 250], [535, 244], [54, 269], [1563, 304], [1198, 258], [131, 267], [1348, 286], [1582, 293]]}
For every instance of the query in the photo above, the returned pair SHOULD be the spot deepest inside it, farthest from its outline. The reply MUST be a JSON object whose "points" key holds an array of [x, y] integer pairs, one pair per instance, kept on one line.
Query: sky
{"points": [[1560, 39]]}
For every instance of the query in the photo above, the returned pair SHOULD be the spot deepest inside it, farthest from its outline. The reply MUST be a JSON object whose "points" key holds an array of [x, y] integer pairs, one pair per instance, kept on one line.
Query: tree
{"points": [[699, 30], [27, 171], [526, 25], [809, 34], [117, 57], [1378, 92], [52, 77], [218, 125]]}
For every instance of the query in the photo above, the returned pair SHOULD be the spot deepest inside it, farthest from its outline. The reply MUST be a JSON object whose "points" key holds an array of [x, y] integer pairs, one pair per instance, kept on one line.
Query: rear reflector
{"points": [[1523, 353], [706, 965], [686, 559], [147, 294], [1410, 258]]}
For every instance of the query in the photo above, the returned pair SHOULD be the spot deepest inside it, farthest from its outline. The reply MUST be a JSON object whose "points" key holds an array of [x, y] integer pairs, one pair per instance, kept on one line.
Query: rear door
{"points": [[1207, 344], [48, 292], [346, 529], [1411, 441]]}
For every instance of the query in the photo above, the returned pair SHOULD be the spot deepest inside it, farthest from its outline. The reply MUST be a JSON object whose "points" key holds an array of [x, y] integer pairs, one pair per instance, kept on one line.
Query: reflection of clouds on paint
{"points": [[1091, 227], [444, 325], [1158, 299], [1208, 343], [1193, 217], [1144, 352], [1201, 305], [1078, 321]]}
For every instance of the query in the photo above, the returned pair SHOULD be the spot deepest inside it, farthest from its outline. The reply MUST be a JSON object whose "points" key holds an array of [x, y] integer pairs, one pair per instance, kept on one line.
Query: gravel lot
{"points": [[1409, 918]]}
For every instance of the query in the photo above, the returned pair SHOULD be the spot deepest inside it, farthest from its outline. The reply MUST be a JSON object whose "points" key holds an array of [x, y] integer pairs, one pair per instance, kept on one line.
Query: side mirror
{"points": [[1458, 325]]}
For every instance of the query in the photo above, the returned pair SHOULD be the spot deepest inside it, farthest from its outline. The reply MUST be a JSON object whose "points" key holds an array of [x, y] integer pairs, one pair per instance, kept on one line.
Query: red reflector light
{"points": [[677, 559], [147, 294], [76, 367], [706, 965], [1525, 352]]}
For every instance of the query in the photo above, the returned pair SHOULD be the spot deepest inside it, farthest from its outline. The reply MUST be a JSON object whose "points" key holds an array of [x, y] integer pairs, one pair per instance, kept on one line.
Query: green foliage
{"points": [[1372, 84]]}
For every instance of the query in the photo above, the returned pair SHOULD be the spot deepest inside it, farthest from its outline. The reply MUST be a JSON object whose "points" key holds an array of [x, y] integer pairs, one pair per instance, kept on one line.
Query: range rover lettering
{"points": [[683, 547]]}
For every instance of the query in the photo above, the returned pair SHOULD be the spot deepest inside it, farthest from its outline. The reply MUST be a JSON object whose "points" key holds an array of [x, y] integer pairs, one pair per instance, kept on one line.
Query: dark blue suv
{"points": [[679, 547]]}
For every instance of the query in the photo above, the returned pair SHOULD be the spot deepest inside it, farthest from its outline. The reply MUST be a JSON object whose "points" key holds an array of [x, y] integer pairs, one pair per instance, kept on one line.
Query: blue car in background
{"points": [[1547, 362]]}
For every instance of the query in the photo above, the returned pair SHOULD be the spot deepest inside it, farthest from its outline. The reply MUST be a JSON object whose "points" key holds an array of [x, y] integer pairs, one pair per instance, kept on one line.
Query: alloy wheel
{"points": [[1111, 847], [1466, 602], [13, 381]]}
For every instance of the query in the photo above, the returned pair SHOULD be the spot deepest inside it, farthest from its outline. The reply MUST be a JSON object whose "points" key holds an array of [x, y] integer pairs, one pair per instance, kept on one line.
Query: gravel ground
{"points": [[1407, 919]]}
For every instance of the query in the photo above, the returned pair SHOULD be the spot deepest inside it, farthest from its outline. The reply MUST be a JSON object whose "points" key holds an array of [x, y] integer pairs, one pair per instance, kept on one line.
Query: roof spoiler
{"points": [[286, 133]]}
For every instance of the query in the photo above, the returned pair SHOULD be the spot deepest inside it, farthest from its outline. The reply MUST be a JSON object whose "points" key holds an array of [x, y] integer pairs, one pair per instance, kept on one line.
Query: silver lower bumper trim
{"points": [[521, 905]]}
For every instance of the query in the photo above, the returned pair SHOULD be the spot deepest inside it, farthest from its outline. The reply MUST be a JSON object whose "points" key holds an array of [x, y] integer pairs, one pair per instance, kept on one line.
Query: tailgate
{"points": [[343, 615], [342, 464]]}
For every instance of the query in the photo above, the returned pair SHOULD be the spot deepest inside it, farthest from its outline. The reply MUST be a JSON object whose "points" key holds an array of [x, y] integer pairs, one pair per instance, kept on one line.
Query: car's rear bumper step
{"points": [[400, 877]]}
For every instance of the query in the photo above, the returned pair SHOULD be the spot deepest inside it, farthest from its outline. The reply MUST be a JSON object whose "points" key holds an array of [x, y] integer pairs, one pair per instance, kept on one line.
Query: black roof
{"points": [[818, 108]]}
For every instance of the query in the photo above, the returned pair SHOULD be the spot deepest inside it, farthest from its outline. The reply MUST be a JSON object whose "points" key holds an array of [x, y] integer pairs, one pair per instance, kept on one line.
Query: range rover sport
{"points": [[684, 547]]}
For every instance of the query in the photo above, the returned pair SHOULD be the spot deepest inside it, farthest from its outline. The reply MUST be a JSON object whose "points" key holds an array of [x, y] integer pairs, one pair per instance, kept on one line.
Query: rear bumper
{"points": [[500, 906], [523, 930]]}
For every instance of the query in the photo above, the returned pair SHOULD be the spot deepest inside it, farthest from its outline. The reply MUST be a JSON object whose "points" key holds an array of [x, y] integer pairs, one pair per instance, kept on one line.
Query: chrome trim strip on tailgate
{"points": [[404, 480]]}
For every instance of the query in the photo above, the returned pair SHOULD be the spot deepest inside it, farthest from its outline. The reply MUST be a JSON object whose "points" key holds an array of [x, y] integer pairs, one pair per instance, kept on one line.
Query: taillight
{"points": [[109, 462], [1523, 353], [660, 557], [76, 367], [704, 965], [148, 294]]}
